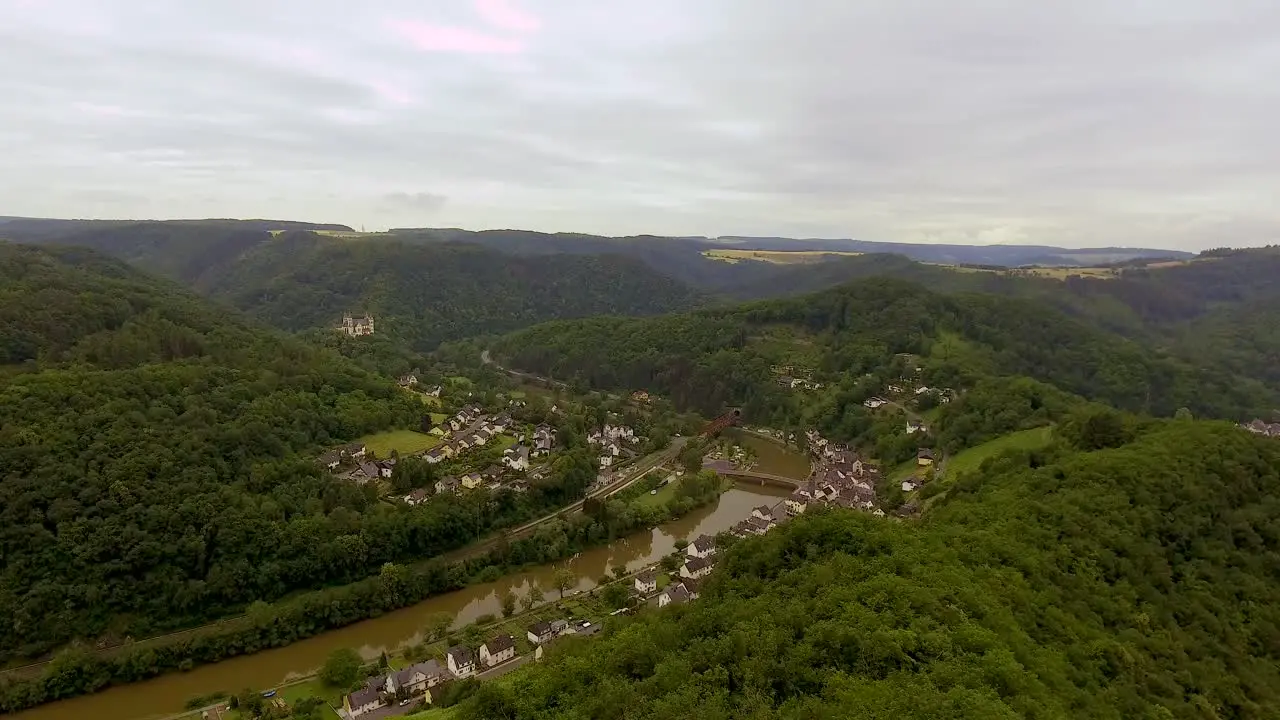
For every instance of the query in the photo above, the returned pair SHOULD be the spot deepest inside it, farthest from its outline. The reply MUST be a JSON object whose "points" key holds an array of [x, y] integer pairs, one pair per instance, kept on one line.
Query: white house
{"points": [[874, 402], [798, 501], [908, 486], [417, 497], [915, 427], [704, 546], [696, 568], [365, 700], [606, 460], [517, 458], [462, 662], [922, 389], [498, 650], [418, 678], [646, 582], [675, 593]]}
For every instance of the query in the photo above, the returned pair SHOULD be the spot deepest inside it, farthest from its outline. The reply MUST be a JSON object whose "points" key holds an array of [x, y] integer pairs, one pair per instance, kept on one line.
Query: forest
{"points": [[723, 356], [157, 460], [1129, 575]]}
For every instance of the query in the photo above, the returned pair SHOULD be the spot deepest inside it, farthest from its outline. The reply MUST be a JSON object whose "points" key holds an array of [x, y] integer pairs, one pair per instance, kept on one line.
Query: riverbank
{"points": [[388, 631]]}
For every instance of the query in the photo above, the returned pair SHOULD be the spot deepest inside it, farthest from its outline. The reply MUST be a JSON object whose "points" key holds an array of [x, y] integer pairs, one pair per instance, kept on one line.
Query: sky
{"points": [[1075, 123]]}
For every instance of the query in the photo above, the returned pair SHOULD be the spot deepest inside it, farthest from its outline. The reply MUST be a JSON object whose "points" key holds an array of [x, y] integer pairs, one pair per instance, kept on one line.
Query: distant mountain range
{"points": [[1001, 255]]}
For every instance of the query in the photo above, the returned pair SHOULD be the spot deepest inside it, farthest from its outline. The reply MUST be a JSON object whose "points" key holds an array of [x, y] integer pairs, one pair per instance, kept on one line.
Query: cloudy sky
{"points": [[1071, 122]]}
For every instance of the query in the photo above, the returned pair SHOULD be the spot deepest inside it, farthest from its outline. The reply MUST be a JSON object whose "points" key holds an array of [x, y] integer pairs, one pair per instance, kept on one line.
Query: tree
{"points": [[533, 597], [508, 601], [341, 669], [436, 625], [615, 595], [563, 579], [619, 571], [1183, 414]]}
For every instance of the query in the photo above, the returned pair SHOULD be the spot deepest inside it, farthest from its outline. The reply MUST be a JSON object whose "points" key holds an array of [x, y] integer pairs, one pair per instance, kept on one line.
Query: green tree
{"points": [[533, 597], [615, 595], [563, 579], [341, 669], [508, 600]]}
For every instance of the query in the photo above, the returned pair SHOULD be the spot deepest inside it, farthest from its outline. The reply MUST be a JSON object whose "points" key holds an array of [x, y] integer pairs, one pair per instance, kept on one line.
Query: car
{"points": [[406, 701], [653, 492]]}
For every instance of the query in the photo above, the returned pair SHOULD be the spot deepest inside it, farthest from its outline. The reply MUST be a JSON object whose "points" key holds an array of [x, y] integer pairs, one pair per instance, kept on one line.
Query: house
{"points": [[646, 582], [922, 389], [365, 700], [370, 470], [356, 326], [435, 455], [915, 427], [606, 460], [696, 567], [498, 650], [763, 512], [447, 485], [798, 501], [758, 526], [924, 458], [908, 486], [675, 593], [417, 497], [640, 396], [435, 391], [500, 423], [331, 459], [874, 402], [704, 546], [542, 632], [462, 662], [516, 458], [387, 467], [471, 481], [354, 451], [691, 586], [417, 679], [408, 380], [539, 633], [544, 440]]}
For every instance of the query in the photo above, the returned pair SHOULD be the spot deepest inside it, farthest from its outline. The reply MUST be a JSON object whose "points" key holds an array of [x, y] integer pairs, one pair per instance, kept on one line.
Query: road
{"points": [[487, 360]]}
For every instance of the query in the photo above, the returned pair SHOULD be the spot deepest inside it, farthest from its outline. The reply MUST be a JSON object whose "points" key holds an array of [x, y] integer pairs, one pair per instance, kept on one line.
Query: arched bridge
{"points": [[733, 417]]}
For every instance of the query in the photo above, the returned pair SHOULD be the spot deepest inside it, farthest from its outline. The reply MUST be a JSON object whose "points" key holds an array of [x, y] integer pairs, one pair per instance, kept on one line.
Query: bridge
{"points": [[762, 477], [733, 417]]}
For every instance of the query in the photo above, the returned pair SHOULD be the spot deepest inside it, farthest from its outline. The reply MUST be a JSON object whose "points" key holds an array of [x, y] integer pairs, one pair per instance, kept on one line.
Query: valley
{"points": [[1000, 452]]}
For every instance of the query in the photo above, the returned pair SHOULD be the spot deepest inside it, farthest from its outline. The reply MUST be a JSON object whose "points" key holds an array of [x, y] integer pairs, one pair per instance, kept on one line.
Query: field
{"points": [[665, 493], [777, 257], [405, 442], [972, 458]]}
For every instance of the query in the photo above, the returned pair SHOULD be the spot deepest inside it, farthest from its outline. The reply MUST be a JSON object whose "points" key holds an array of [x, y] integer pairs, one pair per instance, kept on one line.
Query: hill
{"points": [[421, 293], [725, 356], [155, 456], [1001, 255], [1137, 581], [424, 295]]}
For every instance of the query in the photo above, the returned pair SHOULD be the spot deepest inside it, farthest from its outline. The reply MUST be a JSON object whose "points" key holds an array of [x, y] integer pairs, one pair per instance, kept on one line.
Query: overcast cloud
{"points": [[1077, 123]]}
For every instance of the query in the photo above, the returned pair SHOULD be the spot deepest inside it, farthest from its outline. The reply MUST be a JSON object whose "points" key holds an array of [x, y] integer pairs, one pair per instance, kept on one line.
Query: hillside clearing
{"points": [[971, 459], [777, 257], [404, 442]]}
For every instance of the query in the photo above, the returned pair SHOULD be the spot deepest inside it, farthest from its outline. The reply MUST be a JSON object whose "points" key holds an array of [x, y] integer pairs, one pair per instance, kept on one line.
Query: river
{"points": [[772, 457], [167, 694]]}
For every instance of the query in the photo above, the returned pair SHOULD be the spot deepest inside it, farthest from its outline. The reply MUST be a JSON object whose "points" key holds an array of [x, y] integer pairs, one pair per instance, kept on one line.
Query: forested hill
{"points": [[425, 294], [155, 454], [1139, 581], [421, 293], [712, 358]]}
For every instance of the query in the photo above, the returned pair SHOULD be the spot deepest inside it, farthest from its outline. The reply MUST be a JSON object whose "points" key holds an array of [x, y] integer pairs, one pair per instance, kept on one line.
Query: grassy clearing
{"points": [[971, 459], [438, 418], [506, 441], [405, 442], [777, 257], [664, 494]]}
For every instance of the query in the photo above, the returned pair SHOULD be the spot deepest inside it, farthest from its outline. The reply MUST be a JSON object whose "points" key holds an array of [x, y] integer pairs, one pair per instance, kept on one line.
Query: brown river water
{"points": [[166, 695]]}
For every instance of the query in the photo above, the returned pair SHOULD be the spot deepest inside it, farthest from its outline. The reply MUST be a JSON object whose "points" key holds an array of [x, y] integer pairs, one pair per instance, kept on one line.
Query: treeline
{"points": [[1137, 581], [709, 359], [79, 670]]}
